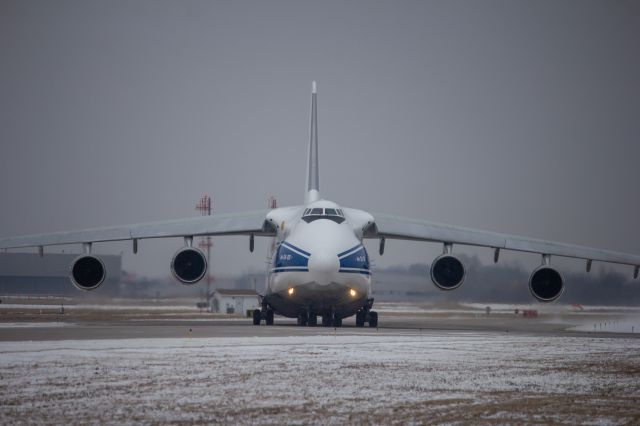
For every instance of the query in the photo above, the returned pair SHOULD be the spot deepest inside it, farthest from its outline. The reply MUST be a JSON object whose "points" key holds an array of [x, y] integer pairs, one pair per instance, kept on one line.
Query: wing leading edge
{"points": [[249, 223], [392, 227]]}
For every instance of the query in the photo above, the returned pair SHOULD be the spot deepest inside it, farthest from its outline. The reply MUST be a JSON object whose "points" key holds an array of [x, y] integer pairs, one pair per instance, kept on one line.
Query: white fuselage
{"points": [[319, 263]]}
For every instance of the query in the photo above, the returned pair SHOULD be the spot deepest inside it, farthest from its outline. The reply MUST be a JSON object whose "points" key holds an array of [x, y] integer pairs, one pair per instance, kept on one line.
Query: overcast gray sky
{"points": [[514, 116]]}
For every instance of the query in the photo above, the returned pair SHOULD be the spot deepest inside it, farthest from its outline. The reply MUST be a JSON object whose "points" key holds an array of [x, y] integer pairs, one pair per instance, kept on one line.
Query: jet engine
{"points": [[546, 284], [447, 272], [189, 265], [87, 272]]}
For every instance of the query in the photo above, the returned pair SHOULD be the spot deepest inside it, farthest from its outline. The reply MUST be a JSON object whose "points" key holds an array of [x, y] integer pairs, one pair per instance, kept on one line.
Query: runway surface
{"points": [[426, 365], [44, 320], [167, 328]]}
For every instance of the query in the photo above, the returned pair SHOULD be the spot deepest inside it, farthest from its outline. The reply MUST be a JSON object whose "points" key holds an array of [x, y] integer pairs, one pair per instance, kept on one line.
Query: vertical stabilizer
{"points": [[313, 173]]}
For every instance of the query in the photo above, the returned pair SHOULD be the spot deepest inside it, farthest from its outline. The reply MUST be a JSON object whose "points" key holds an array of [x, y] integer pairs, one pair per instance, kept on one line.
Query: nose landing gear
{"points": [[329, 319], [313, 320], [303, 318], [308, 318]]}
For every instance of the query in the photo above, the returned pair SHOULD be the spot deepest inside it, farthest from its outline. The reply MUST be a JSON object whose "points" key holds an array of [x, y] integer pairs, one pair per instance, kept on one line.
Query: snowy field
{"points": [[35, 324], [103, 307], [341, 377], [503, 308], [625, 325]]}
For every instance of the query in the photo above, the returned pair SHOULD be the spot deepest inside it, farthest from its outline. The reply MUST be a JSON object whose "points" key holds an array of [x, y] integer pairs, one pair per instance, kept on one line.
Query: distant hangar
{"points": [[28, 273]]}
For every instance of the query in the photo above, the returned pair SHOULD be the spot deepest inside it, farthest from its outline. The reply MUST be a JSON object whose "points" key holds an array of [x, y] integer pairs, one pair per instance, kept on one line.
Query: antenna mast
{"points": [[204, 206]]}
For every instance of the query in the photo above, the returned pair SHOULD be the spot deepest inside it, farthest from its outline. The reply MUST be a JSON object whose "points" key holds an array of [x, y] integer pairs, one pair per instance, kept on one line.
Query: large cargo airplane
{"points": [[319, 266]]}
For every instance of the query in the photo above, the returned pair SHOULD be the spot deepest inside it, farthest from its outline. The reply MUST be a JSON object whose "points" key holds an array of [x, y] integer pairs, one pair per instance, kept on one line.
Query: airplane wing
{"points": [[392, 227], [250, 223]]}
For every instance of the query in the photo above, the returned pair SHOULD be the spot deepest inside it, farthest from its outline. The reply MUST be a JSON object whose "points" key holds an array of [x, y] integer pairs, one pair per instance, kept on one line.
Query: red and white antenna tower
{"points": [[272, 203], [204, 206]]}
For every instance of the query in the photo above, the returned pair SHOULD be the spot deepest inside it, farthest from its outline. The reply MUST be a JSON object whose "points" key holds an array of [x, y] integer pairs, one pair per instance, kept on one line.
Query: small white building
{"points": [[232, 301]]}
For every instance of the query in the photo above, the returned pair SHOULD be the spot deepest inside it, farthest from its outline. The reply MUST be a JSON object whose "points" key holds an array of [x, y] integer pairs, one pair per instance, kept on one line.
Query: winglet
{"points": [[313, 174]]}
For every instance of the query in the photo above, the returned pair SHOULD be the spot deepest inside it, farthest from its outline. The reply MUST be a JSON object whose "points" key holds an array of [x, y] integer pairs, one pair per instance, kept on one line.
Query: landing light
{"points": [[290, 291], [353, 293]]}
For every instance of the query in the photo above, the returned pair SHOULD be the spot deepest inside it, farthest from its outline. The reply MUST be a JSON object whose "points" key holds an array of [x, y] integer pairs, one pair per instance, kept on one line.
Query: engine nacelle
{"points": [[189, 265], [87, 272], [447, 272], [546, 284]]}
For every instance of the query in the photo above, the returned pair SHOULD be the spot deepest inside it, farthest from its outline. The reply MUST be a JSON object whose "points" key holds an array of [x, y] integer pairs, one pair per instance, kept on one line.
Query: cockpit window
{"points": [[334, 215]]}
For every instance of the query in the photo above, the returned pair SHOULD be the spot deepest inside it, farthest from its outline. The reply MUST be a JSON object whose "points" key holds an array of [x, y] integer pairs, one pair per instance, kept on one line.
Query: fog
{"points": [[511, 116], [484, 283]]}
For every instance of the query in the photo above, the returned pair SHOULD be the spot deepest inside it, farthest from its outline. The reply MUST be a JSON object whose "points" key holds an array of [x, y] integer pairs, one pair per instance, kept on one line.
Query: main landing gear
{"points": [[365, 314], [329, 318], [266, 314]]}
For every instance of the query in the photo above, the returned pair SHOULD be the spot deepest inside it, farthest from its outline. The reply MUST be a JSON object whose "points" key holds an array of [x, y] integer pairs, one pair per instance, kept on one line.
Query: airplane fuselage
{"points": [[319, 264]]}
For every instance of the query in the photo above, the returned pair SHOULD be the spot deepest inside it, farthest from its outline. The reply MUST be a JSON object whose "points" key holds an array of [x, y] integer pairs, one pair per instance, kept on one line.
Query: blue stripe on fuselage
{"points": [[350, 250], [355, 271], [355, 258], [292, 247], [288, 255], [291, 269], [289, 258]]}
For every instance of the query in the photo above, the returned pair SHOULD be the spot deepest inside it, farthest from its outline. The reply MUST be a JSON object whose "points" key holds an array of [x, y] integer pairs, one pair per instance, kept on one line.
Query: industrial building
{"points": [[28, 273], [233, 301]]}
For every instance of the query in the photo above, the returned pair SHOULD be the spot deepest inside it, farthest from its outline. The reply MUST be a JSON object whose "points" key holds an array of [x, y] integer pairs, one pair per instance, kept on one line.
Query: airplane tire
{"points": [[337, 322], [269, 319], [302, 319], [313, 320], [360, 319], [373, 319], [257, 316], [326, 319]]}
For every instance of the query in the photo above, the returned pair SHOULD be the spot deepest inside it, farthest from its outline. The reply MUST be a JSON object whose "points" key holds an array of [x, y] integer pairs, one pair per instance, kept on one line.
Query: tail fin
{"points": [[313, 173]]}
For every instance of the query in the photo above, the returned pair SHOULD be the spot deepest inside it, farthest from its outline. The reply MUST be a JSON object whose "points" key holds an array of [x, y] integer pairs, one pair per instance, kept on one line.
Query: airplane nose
{"points": [[324, 262]]}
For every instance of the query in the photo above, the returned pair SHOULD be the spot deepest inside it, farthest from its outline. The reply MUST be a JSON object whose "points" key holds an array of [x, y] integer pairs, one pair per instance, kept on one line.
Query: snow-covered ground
{"points": [[462, 308], [336, 377], [104, 307], [35, 324], [624, 325]]}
